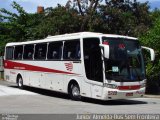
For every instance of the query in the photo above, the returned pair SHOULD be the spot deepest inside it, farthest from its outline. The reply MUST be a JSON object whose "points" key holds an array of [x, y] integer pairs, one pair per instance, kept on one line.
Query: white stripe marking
{"points": [[7, 91]]}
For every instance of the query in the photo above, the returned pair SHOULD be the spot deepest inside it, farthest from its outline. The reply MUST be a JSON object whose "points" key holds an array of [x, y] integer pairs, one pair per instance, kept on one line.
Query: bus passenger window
{"points": [[72, 50], [9, 53], [28, 52], [54, 55], [40, 51], [18, 51], [30, 55], [55, 51]]}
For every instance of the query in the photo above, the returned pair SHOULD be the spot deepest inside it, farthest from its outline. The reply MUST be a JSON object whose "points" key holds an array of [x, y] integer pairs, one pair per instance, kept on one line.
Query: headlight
{"points": [[110, 86], [143, 85]]}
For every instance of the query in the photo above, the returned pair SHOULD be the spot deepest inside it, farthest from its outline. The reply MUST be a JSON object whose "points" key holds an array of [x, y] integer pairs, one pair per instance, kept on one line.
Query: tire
{"points": [[74, 92], [20, 82]]}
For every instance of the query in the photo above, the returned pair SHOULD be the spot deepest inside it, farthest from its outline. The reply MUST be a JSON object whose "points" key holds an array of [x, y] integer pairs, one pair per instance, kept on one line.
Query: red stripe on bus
{"points": [[134, 87], [21, 66]]}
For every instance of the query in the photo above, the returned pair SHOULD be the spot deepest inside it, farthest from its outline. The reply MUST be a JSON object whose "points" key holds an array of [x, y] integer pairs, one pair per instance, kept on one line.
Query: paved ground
{"points": [[38, 101]]}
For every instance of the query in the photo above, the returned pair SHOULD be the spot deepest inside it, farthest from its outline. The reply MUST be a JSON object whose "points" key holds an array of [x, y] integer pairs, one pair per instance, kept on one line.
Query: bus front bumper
{"points": [[112, 94]]}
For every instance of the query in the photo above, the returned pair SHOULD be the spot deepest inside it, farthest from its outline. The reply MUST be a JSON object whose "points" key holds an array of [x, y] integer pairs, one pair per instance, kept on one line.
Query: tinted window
{"points": [[9, 53], [92, 59], [125, 61], [72, 50], [55, 50], [28, 52], [40, 51], [18, 52]]}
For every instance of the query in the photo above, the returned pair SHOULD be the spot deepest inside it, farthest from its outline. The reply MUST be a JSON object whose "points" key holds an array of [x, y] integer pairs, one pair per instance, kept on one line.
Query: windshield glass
{"points": [[125, 61]]}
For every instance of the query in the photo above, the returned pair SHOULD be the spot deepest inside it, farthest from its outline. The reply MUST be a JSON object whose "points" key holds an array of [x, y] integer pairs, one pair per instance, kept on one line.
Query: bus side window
{"points": [[54, 50], [18, 51], [72, 50], [30, 55], [40, 51], [28, 52], [9, 53]]}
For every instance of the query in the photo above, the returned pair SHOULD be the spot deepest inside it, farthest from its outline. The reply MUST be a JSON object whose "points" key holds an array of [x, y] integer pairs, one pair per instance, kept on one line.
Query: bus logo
{"points": [[69, 66]]}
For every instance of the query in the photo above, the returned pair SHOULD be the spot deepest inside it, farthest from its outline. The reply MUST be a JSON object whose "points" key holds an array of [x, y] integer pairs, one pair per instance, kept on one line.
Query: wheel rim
{"points": [[75, 91], [20, 82]]}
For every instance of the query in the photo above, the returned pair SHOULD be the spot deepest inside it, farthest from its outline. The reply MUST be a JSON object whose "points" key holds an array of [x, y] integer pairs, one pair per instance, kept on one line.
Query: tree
{"points": [[87, 9], [15, 23], [152, 39], [115, 17], [126, 17], [58, 20], [149, 39]]}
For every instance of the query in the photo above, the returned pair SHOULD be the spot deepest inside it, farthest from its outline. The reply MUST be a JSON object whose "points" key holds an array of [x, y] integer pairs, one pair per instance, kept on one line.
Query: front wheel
{"points": [[75, 92], [20, 82]]}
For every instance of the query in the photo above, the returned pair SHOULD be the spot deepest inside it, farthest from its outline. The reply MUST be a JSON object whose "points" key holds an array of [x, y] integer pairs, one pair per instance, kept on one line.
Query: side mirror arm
{"points": [[152, 53], [106, 50]]}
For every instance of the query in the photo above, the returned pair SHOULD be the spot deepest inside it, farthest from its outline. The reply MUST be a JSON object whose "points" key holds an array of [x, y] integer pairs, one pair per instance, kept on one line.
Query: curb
{"points": [[152, 96]]}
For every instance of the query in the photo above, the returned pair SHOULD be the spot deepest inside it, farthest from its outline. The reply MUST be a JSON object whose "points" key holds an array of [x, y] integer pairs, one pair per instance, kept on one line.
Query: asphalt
{"points": [[5, 83]]}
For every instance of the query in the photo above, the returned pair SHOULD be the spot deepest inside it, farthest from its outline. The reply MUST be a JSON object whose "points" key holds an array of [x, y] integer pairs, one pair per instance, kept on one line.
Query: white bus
{"points": [[87, 64]]}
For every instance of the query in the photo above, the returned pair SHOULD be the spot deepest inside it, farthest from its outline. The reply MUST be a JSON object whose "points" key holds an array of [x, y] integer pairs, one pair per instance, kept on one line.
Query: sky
{"points": [[30, 6]]}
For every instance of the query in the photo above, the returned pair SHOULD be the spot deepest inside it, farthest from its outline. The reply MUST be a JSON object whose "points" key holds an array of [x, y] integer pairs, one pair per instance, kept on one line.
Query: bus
{"points": [[84, 64]]}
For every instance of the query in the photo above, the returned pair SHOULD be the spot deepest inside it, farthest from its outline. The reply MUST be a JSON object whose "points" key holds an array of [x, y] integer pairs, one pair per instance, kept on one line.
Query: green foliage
{"points": [[126, 17], [152, 39], [116, 17], [13, 25], [17, 27], [58, 21]]}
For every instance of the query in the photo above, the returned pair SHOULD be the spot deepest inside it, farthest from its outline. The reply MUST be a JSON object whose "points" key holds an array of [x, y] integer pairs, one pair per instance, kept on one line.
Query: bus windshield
{"points": [[125, 61]]}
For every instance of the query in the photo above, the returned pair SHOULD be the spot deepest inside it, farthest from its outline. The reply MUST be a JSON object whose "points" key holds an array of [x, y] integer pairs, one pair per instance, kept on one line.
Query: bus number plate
{"points": [[129, 94]]}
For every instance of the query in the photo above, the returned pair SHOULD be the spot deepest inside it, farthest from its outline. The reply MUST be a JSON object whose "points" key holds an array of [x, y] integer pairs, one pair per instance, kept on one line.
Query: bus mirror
{"points": [[106, 50], [152, 53]]}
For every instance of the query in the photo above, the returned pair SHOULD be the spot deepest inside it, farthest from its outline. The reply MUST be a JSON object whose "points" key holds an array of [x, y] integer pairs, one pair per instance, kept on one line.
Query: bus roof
{"points": [[69, 37]]}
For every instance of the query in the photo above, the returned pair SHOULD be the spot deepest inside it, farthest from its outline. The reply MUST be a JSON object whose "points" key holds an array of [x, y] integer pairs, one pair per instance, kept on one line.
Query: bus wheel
{"points": [[75, 92], [20, 82]]}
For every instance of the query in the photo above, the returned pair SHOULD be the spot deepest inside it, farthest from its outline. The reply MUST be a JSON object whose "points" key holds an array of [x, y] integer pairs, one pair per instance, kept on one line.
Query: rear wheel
{"points": [[74, 92], [20, 82]]}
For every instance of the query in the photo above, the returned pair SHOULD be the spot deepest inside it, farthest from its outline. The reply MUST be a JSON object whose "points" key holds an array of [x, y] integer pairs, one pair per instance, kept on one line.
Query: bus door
{"points": [[93, 65]]}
